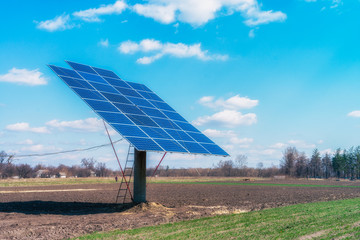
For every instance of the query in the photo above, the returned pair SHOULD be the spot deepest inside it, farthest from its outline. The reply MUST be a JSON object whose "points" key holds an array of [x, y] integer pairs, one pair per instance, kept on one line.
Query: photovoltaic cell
{"points": [[117, 82], [105, 73], [89, 94], [139, 86], [135, 111], [142, 120], [81, 67], [165, 123], [128, 92], [143, 144], [104, 88], [152, 112], [72, 82], [170, 145], [179, 135], [214, 149], [162, 105], [115, 117], [156, 132], [193, 147], [129, 109], [129, 130], [92, 77], [116, 98], [101, 106], [140, 102]]}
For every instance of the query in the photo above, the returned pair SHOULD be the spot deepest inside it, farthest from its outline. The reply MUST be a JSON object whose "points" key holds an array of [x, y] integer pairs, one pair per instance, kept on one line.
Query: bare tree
{"points": [[24, 171], [288, 162]]}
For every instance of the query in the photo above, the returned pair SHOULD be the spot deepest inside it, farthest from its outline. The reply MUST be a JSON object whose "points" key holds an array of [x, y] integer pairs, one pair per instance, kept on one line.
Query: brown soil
{"points": [[58, 212]]}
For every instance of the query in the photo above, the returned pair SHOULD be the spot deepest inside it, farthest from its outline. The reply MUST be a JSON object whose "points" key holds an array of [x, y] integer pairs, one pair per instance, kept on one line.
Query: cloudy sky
{"points": [[255, 76]]}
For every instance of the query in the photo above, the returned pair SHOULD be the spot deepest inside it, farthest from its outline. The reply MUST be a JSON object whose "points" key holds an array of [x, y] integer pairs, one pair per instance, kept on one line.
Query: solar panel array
{"points": [[135, 111]]}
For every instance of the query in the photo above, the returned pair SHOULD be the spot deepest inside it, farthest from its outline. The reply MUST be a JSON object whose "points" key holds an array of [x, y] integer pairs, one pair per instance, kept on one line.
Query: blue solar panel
{"points": [[128, 92], [162, 105], [89, 94], [73, 82], [105, 73], [165, 123], [193, 147], [116, 98], [117, 82], [142, 120], [92, 77], [81, 67], [101, 106], [186, 126], [104, 88], [136, 112], [150, 96], [143, 144], [114, 117], [170, 145], [179, 135], [174, 116], [139, 86], [130, 109], [199, 137], [129, 130], [214, 149], [65, 72], [156, 132], [152, 112], [140, 102]]}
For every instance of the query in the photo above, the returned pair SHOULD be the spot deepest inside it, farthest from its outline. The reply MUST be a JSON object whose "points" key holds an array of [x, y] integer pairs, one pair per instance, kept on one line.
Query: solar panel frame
{"points": [[155, 143]]}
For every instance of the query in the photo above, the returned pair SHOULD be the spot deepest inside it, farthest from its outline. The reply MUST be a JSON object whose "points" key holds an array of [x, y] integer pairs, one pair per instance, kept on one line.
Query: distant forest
{"points": [[344, 163]]}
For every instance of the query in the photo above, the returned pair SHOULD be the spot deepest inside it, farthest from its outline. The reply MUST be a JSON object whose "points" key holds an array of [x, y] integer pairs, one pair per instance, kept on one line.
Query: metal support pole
{"points": [[140, 177]]}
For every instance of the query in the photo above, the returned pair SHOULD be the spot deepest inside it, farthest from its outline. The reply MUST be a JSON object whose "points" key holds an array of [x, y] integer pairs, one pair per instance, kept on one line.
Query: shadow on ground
{"points": [[63, 208]]}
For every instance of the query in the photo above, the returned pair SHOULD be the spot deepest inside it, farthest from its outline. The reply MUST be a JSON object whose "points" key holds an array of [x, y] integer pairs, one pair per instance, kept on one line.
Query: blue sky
{"points": [[255, 76]]}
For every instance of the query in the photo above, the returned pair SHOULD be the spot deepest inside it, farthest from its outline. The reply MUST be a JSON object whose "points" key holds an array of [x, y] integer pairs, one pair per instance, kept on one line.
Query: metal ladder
{"points": [[126, 177]]}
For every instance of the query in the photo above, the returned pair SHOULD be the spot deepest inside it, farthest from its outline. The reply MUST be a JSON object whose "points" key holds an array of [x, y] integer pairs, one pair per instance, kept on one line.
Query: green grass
{"points": [[257, 184], [52, 181], [323, 220]]}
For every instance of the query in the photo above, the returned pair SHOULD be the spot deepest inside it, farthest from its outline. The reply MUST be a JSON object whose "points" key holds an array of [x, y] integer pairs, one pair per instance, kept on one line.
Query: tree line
{"points": [[88, 168], [344, 163]]}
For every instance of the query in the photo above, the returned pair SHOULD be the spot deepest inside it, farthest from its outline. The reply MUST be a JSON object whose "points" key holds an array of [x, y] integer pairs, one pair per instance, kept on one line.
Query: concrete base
{"points": [[140, 176]]}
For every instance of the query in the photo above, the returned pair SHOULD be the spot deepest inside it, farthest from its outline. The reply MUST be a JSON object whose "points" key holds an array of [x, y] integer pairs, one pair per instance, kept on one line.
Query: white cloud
{"points": [[354, 114], [326, 151], [26, 142], [56, 24], [104, 43], [179, 50], [252, 33], [200, 12], [24, 77], [92, 14], [38, 148], [218, 133], [235, 103], [86, 125], [161, 13], [279, 145], [301, 144], [25, 127], [236, 140], [229, 118]]}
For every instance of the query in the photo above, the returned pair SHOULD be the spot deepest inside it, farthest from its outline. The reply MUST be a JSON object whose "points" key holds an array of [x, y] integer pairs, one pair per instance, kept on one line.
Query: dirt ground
{"points": [[64, 211]]}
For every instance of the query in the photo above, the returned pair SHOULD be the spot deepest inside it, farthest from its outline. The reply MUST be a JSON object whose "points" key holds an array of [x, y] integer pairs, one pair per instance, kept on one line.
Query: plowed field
{"points": [[64, 211]]}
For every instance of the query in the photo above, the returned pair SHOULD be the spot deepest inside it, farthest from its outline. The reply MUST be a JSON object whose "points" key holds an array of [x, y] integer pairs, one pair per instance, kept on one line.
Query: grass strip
{"points": [[322, 220], [257, 184]]}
